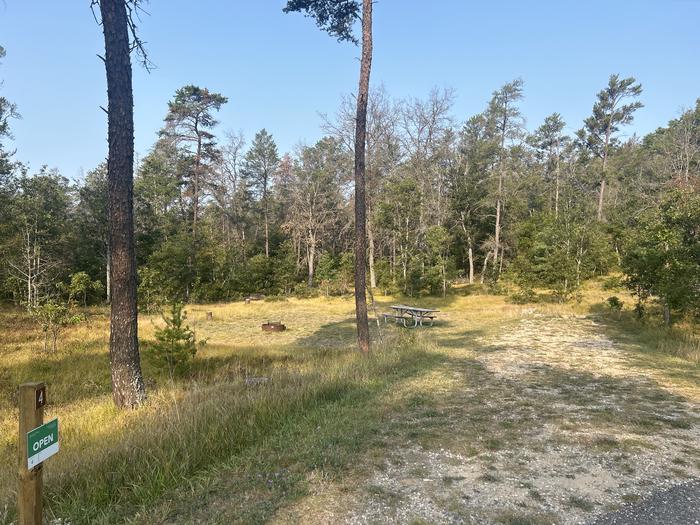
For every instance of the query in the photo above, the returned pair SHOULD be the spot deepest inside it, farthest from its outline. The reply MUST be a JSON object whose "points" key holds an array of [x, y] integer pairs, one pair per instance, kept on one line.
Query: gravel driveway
{"points": [[679, 505]]}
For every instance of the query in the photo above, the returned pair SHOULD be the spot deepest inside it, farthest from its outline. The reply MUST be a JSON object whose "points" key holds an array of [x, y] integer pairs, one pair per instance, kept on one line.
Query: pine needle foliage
{"points": [[175, 345]]}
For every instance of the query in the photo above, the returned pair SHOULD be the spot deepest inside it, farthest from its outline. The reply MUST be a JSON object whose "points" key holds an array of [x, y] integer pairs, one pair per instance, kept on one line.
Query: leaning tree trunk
{"points": [[360, 202], [128, 389]]}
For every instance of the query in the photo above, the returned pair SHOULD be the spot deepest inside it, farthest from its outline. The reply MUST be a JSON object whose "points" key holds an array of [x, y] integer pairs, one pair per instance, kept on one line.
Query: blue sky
{"points": [[279, 71]]}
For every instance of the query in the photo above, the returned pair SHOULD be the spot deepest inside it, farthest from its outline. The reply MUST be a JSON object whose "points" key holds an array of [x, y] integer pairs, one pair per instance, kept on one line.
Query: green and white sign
{"points": [[42, 443]]}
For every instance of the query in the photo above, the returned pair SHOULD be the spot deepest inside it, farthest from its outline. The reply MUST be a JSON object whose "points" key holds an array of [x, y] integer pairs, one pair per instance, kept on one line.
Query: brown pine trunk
{"points": [[360, 199], [128, 389], [108, 276]]}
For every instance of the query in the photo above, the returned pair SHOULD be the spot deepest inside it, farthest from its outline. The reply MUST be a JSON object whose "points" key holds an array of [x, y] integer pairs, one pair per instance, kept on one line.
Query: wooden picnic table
{"points": [[407, 313]]}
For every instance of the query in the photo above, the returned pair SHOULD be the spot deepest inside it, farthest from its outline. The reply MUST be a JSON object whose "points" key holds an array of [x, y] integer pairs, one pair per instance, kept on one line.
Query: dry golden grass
{"points": [[322, 403]]}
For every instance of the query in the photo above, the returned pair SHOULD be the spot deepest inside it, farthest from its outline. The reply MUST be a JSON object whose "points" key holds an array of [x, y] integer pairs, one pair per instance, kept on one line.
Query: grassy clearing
{"points": [[113, 463], [215, 447]]}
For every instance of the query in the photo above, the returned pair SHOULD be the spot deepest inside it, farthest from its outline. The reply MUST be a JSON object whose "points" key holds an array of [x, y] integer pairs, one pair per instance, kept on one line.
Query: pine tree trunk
{"points": [[128, 388], [556, 190], [360, 199], [108, 275], [195, 194], [192, 260], [267, 234], [370, 241], [601, 195], [499, 203]]}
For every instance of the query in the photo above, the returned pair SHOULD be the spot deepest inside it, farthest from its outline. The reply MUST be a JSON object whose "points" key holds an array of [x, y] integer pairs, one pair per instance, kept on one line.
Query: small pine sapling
{"points": [[175, 344]]}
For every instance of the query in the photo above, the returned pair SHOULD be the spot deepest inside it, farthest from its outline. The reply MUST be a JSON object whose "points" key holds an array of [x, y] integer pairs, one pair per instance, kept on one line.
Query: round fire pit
{"points": [[273, 327]]}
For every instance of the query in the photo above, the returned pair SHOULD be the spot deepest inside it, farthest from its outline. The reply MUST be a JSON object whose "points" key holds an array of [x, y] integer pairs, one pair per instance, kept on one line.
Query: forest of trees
{"points": [[482, 198]]}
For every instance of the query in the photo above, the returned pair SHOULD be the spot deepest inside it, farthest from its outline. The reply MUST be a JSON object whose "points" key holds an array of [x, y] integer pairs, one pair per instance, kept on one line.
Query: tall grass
{"points": [[111, 464]]}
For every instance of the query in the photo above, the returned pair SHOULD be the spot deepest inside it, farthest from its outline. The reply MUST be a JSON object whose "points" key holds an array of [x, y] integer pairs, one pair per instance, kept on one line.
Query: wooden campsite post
{"points": [[32, 398]]}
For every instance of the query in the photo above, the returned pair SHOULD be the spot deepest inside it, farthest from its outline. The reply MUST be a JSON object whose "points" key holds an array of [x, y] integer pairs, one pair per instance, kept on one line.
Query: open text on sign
{"points": [[42, 443]]}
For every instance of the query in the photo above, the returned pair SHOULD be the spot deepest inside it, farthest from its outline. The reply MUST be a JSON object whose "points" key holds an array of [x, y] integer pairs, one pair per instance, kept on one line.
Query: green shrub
{"points": [[615, 304], [81, 286], [53, 317], [524, 296], [615, 282]]}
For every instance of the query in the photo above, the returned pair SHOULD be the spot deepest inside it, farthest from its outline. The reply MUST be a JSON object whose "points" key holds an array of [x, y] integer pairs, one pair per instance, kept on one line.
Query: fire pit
{"points": [[273, 327]]}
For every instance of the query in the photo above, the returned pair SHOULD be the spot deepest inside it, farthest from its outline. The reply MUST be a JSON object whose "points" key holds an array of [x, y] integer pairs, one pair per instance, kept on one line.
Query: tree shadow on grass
{"points": [[468, 339], [322, 429], [341, 335], [539, 394], [70, 377], [642, 345]]}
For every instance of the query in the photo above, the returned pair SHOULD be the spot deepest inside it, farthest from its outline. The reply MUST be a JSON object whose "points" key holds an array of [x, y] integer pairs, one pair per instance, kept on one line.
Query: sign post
{"points": [[32, 398]]}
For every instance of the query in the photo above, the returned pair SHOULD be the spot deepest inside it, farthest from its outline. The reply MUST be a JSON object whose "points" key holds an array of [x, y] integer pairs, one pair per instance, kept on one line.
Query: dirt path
{"points": [[543, 420]]}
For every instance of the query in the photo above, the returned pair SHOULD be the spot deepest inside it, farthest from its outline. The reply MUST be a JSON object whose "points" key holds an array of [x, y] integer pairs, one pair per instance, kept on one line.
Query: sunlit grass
{"points": [[112, 464]]}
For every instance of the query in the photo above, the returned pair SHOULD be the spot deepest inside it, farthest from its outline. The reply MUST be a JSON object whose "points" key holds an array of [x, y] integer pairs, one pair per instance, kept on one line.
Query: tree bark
{"points": [[471, 262], [109, 271], [486, 265], [128, 388], [601, 196], [556, 189], [311, 255], [360, 198], [370, 241], [195, 190], [267, 233]]}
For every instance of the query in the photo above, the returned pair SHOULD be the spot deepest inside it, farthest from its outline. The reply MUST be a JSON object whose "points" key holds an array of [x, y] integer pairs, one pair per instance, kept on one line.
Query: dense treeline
{"points": [[483, 200]]}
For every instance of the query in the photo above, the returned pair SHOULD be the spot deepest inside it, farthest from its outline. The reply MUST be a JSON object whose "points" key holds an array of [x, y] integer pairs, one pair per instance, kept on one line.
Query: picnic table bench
{"points": [[410, 314]]}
